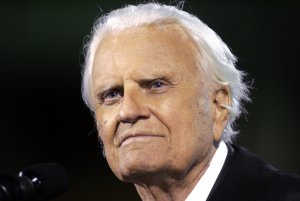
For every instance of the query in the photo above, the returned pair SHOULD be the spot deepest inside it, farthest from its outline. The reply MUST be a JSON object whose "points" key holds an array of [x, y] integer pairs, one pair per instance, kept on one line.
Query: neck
{"points": [[172, 187]]}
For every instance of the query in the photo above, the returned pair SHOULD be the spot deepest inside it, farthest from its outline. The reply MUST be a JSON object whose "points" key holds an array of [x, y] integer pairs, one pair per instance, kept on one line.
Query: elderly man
{"points": [[165, 91]]}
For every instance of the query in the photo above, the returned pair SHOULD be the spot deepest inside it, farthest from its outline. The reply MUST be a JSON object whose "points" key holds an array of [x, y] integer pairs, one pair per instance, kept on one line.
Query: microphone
{"points": [[36, 183]]}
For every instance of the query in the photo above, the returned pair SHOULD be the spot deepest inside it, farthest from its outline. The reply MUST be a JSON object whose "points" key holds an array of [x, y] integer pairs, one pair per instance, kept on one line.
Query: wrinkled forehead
{"points": [[168, 29], [167, 39]]}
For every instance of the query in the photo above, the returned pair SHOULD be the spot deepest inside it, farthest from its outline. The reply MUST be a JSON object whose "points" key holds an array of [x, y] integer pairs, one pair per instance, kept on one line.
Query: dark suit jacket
{"points": [[245, 177]]}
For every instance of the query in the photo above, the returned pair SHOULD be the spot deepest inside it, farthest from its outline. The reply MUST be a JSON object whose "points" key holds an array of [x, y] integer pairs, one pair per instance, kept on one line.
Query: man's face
{"points": [[150, 107]]}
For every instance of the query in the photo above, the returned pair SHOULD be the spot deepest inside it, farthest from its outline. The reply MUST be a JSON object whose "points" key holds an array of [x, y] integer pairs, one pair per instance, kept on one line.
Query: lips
{"points": [[127, 137]]}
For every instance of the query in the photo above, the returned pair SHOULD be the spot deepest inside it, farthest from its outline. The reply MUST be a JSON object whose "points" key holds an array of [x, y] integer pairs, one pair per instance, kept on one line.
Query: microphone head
{"points": [[48, 180]]}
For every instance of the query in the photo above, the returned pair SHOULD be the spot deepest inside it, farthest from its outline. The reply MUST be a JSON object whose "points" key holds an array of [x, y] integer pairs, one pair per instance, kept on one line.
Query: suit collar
{"points": [[242, 177]]}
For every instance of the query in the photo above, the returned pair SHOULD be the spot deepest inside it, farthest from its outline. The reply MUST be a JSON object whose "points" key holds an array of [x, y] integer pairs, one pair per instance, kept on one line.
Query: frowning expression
{"points": [[149, 107]]}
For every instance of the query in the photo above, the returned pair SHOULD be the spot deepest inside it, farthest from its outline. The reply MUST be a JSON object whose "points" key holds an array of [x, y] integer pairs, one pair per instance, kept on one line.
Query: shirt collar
{"points": [[206, 182]]}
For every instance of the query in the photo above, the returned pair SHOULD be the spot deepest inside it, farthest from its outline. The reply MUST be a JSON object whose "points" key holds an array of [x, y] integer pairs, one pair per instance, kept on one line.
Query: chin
{"points": [[137, 170]]}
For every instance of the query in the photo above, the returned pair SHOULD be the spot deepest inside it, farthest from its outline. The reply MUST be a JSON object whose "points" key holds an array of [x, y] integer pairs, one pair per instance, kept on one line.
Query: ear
{"points": [[221, 114]]}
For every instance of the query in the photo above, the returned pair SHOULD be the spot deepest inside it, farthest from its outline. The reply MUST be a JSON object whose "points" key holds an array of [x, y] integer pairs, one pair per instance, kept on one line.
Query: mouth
{"points": [[136, 137]]}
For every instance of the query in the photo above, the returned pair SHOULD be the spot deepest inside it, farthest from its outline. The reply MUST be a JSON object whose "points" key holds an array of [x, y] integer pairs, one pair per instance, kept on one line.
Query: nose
{"points": [[133, 107]]}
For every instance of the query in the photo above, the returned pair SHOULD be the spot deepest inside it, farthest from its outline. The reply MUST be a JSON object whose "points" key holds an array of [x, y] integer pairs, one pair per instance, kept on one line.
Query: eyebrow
{"points": [[144, 81], [141, 81], [103, 88]]}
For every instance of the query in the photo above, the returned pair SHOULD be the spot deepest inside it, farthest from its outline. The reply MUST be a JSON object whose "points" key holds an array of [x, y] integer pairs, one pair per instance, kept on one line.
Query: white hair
{"points": [[216, 57]]}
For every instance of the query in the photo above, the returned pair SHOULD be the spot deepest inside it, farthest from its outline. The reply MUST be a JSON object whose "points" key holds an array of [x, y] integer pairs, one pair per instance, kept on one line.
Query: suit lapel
{"points": [[242, 178]]}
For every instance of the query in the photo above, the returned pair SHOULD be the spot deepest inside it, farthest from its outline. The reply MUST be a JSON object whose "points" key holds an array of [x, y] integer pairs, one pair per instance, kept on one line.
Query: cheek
{"points": [[189, 117], [106, 127]]}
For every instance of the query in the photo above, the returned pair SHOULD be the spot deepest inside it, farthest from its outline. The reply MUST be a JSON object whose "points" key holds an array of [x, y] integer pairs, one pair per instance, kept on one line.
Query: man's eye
{"points": [[157, 84], [109, 97]]}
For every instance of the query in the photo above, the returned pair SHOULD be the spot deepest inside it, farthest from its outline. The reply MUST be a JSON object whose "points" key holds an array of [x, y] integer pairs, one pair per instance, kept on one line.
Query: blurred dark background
{"points": [[42, 115]]}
